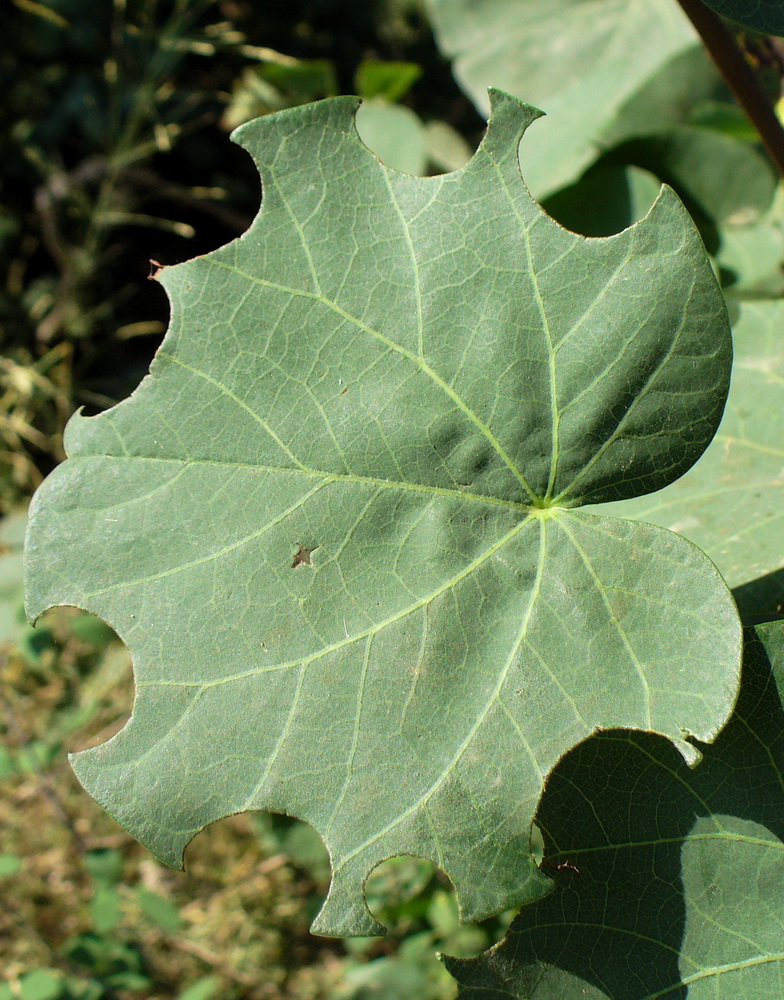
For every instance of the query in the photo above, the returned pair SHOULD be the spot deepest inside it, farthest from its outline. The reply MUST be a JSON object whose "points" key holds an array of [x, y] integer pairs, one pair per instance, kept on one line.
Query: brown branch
{"points": [[739, 75]]}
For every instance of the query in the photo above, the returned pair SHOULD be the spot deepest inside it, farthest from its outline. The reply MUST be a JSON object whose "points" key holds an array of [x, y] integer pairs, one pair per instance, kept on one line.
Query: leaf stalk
{"points": [[739, 75]]}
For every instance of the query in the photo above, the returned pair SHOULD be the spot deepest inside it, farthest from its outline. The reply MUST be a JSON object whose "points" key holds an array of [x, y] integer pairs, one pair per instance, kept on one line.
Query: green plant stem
{"points": [[739, 75]]}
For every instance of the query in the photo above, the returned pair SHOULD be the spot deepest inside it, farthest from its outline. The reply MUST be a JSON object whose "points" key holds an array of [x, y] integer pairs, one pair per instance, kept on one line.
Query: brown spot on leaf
{"points": [[302, 556]]}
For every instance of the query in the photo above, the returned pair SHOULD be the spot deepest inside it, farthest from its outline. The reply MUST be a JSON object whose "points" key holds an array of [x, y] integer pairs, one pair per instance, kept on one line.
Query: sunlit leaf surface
{"points": [[731, 503], [338, 526]]}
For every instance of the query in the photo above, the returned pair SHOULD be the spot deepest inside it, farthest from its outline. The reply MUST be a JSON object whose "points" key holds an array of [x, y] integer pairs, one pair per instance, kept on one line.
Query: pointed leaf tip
{"points": [[503, 102]]}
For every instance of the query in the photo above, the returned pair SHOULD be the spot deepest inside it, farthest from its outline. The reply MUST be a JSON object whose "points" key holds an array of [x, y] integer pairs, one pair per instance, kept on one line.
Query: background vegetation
{"points": [[114, 151]]}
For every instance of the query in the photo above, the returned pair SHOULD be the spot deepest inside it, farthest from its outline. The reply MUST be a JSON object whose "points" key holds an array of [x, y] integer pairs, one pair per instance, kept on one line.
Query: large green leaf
{"points": [[336, 525], [731, 503], [669, 880], [761, 15], [603, 70]]}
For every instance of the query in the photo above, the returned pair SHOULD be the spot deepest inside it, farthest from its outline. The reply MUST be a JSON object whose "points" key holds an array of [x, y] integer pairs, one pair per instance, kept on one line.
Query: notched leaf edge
{"points": [[502, 105]]}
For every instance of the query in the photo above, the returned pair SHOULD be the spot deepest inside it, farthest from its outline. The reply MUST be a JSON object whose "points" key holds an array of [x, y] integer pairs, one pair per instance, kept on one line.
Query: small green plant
{"points": [[400, 529]]}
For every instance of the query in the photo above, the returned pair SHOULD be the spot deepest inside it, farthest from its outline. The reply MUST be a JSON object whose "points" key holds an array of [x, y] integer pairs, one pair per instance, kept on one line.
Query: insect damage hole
{"points": [[302, 556]]}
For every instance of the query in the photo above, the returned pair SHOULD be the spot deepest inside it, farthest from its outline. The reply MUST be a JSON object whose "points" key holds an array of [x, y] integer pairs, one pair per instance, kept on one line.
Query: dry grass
{"points": [[244, 911]]}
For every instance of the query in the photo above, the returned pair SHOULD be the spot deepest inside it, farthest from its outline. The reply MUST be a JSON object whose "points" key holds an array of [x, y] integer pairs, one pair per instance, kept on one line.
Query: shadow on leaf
{"points": [[761, 600], [666, 877]]}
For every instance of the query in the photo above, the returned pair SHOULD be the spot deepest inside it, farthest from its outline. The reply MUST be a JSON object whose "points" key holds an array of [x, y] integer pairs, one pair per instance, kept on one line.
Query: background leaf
{"points": [[395, 134], [766, 16], [672, 877], [651, 70], [390, 80], [12, 532]]}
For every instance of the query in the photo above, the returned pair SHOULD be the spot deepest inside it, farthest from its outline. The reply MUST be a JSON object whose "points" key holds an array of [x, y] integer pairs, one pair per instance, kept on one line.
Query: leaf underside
{"points": [[337, 524]]}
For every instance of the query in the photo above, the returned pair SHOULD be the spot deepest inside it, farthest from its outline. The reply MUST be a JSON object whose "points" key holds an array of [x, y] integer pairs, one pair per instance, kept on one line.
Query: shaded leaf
{"points": [[725, 179], [725, 117], [766, 16], [415, 381], [671, 878]]}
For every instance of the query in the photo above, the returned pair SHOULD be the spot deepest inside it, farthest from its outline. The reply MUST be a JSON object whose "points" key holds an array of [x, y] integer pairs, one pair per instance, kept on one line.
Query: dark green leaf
{"points": [[669, 880], [105, 909], [92, 630], [159, 910], [766, 16], [104, 866], [390, 80]]}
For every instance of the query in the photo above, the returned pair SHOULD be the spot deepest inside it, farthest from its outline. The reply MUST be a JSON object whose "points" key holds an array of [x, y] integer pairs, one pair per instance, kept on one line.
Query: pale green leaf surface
{"points": [[723, 178], [650, 71], [395, 134], [335, 525], [731, 503], [673, 878], [390, 80]]}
